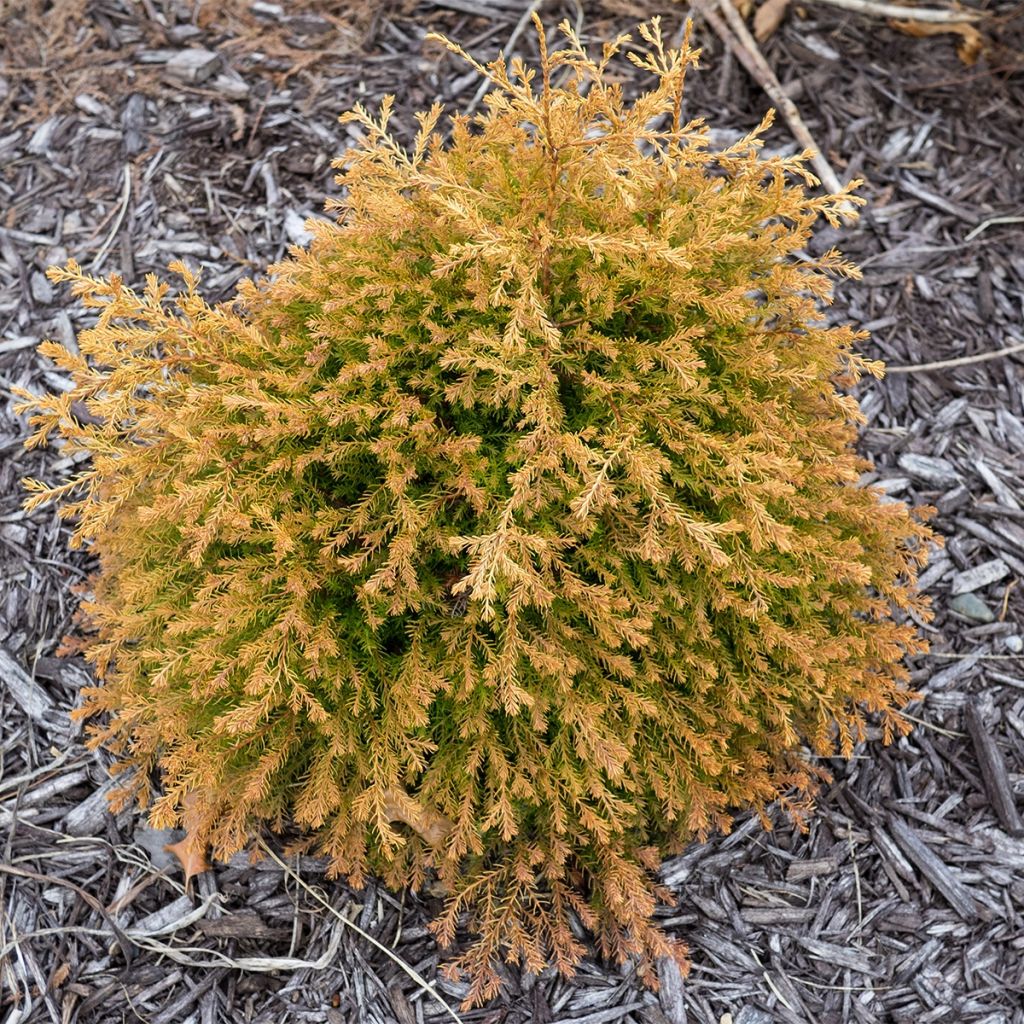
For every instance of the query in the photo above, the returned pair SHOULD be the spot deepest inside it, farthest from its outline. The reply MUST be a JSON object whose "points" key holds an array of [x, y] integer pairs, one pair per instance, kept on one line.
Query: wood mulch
{"points": [[132, 132]]}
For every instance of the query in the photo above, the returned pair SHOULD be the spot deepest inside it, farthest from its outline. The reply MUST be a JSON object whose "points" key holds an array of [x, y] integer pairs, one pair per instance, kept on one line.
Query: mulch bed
{"points": [[903, 900]]}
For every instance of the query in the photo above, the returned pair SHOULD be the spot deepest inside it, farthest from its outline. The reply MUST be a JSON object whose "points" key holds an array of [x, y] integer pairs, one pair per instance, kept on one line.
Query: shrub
{"points": [[513, 531]]}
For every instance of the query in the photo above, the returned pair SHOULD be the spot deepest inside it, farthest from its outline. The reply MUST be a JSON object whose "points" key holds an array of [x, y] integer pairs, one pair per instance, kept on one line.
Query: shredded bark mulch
{"points": [[134, 132]]}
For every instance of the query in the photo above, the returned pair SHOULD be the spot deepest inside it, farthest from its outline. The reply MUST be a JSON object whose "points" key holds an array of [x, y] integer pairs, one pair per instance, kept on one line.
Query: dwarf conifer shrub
{"points": [[512, 532]]}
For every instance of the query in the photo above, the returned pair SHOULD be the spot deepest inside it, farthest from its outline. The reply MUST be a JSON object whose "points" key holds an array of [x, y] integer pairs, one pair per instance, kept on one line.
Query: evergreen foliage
{"points": [[513, 531]]}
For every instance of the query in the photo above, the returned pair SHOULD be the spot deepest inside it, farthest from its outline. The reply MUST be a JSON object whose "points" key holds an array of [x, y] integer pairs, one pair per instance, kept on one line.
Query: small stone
{"points": [[295, 228], [267, 10], [193, 66], [937, 472], [41, 289], [970, 606], [979, 576], [1014, 643]]}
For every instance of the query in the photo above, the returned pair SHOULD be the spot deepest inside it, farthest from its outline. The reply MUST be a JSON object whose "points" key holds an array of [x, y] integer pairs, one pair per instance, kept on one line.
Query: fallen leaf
{"points": [[191, 854], [431, 825], [191, 850], [60, 976], [972, 42], [744, 7], [768, 18]]}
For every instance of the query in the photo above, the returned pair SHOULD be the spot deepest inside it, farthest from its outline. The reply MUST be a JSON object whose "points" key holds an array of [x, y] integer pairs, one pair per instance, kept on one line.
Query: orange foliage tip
{"points": [[509, 537]]}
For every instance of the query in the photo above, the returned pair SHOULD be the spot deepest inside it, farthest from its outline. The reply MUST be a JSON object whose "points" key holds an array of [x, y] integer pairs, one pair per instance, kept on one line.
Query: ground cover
{"points": [[903, 901]]}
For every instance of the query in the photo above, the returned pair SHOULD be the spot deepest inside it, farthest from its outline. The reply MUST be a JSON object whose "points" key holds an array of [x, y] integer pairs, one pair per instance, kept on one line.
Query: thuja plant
{"points": [[511, 535]]}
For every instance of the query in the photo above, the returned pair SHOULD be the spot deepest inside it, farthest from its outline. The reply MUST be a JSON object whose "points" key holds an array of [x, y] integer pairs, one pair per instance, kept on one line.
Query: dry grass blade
{"points": [[122, 940], [207, 958], [948, 364], [126, 195], [991, 222], [424, 985]]}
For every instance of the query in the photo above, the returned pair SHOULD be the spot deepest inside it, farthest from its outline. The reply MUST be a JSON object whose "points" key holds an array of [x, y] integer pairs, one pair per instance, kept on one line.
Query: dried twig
{"points": [[990, 222], [737, 37], [945, 364], [934, 15], [512, 40], [126, 195], [422, 982]]}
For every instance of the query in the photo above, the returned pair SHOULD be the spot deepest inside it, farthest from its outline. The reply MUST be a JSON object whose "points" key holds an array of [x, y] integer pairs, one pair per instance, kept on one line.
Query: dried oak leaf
{"points": [[972, 42], [191, 850], [191, 855], [768, 18]]}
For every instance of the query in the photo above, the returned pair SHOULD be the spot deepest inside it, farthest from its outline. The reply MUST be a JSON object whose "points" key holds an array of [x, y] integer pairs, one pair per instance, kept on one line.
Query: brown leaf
{"points": [[972, 42], [191, 850], [60, 975], [191, 855], [768, 18], [744, 7], [431, 825]]}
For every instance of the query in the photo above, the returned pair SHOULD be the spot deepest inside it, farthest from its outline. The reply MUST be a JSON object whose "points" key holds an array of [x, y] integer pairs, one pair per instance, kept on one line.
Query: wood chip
{"points": [[854, 959], [671, 991], [27, 693], [193, 66], [993, 770], [932, 867], [801, 869], [979, 576], [935, 471]]}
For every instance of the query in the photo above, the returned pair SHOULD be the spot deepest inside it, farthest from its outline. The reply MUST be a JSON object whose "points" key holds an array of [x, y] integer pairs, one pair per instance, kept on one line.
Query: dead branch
{"points": [[744, 47]]}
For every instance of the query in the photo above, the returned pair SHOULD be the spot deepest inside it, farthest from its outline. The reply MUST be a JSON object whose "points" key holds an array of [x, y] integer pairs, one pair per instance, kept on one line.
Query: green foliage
{"points": [[512, 532]]}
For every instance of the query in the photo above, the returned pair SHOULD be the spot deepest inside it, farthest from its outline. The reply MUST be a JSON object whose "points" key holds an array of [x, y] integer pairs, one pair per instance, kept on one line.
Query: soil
{"points": [[903, 899]]}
